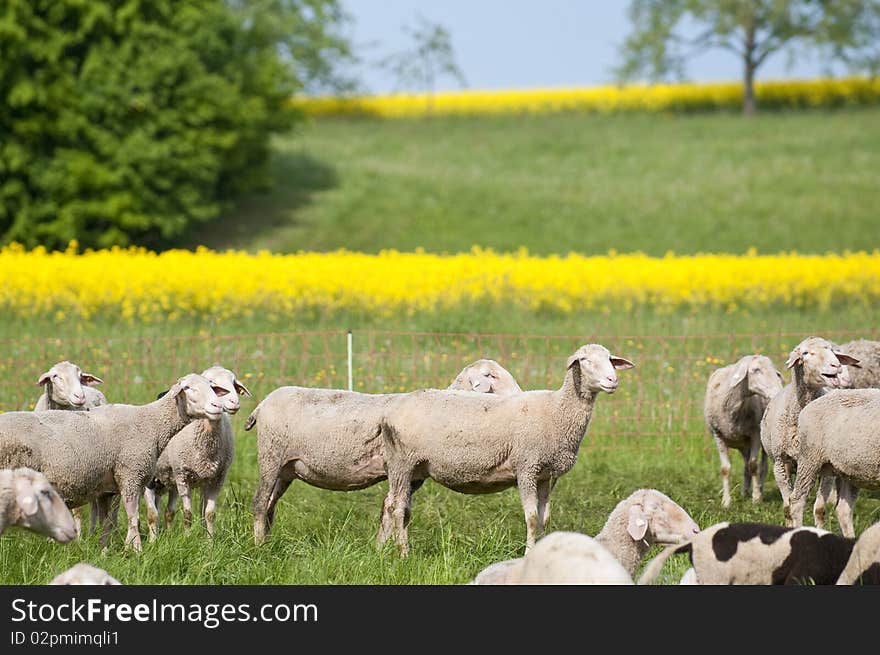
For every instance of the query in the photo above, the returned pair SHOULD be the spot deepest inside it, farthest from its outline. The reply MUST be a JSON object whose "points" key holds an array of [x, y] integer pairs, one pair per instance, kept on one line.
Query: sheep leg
{"points": [[130, 501], [762, 470], [268, 478], [528, 495], [152, 513], [826, 486], [77, 519], [725, 470], [747, 472], [846, 497], [209, 497], [93, 516], [546, 520], [386, 524], [544, 488], [281, 485], [183, 491], [754, 468], [400, 492], [782, 474], [806, 478], [170, 507]]}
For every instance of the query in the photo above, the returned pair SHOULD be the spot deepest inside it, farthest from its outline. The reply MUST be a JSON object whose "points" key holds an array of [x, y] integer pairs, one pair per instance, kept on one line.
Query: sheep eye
{"points": [[46, 493]]}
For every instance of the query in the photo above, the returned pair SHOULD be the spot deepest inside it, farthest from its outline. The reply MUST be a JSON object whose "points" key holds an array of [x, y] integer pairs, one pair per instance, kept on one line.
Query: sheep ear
{"points": [[25, 497], [847, 360], [794, 357], [739, 373], [44, 379], [637, 526], [620, 362], [571, 360], [89, 379], [241, 389], [175, 389]]}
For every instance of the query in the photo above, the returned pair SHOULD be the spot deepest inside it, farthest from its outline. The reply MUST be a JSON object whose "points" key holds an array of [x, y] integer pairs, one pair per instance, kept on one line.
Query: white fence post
{"points": [[350, 373]]}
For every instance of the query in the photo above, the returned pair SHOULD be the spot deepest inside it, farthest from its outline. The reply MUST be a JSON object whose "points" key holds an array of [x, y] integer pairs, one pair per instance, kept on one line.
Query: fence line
{"points": [[658, 404]]}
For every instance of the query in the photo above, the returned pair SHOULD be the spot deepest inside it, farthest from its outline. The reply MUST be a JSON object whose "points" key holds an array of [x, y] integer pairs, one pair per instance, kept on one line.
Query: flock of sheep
{"points": [[482, 434]]}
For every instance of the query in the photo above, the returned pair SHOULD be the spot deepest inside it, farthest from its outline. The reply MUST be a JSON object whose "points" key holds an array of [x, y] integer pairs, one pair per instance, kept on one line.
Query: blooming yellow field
{"points": [[604, 99], [145, 286]]}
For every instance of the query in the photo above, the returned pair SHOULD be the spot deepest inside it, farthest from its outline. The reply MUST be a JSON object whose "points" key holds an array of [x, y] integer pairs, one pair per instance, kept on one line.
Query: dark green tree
{"points": [[126, 121], [667, 32]]}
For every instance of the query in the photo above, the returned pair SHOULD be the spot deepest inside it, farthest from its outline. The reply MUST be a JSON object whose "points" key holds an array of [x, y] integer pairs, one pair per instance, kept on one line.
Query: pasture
{"points": [[711, 183]]}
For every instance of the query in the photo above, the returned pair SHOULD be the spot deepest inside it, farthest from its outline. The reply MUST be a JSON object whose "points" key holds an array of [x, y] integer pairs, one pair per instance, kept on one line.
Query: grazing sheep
{"points": [[816, 363], [485, 443], [328, 438], [111, 448], [839, 434], [29, 501], [736, 397], [867, 374], [84, 574], [485, 376], [66, 386], [761, 554], [197, 457], [645, 518]]}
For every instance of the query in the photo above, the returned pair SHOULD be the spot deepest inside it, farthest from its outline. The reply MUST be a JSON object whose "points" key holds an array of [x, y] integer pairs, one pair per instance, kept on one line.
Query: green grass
{"points": [[560, 183]]}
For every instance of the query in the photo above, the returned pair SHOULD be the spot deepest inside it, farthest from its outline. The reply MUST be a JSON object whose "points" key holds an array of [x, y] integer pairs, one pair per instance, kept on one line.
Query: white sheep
{"points": [[483, 443], [736, 397], [67, 387], [328, 438], [863, 566], [485, 376], [562, 558], [867, 374], [646, 517], [111, 448], [839, 434], [28, 500], [197, 457], [84, 574], [762, 554], [816, 364]]}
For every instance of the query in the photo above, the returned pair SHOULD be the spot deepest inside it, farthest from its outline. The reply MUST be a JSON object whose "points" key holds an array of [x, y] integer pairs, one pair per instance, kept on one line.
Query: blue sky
{"points": [[528, 44]]}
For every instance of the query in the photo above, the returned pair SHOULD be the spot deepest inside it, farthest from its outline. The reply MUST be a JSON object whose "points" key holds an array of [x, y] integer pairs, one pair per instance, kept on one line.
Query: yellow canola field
{"points": [[139, 285], [823, 92]]}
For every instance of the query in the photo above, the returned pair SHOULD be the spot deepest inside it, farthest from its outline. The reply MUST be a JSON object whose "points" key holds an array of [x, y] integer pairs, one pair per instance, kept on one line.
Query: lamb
{"points": [[111, 448], [328, 438], [63, 388], [863, 566], [67, 387], [759, 553], [84, 574], [867, 373], [197, 457], [839, 434], [816, 364], [644, 518], [28, 500], [736, 397], [485, 443]]}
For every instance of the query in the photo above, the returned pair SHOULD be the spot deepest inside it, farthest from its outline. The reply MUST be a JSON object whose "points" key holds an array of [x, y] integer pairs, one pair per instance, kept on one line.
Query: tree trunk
{"points": [[749, 67], [749, 104]]}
